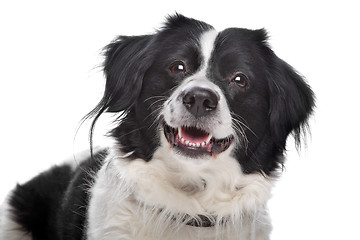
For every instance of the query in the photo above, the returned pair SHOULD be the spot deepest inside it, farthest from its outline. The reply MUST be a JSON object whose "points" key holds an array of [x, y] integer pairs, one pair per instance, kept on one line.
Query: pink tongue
{"points": [[194, 135]]}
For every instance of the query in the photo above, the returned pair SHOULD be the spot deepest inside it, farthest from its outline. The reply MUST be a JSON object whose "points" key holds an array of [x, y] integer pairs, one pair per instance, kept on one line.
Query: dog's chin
{"points": [[193, 142]]}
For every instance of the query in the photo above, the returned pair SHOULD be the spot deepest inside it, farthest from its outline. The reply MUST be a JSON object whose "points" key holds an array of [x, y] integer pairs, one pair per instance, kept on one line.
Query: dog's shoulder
{"points": [[55, 200]]}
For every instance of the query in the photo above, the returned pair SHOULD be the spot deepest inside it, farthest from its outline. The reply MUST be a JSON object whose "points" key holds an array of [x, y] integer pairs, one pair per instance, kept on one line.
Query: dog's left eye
{"points": [[241, 80], [178, 67]]}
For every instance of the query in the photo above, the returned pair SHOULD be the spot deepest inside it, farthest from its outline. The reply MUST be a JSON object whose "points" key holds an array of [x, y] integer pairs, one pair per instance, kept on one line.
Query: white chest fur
{"points": [[145, 200]]}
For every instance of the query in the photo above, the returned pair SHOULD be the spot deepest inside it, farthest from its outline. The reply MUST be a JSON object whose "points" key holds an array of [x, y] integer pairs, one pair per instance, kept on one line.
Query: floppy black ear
{"points": [[126, 61], [291, 103]]}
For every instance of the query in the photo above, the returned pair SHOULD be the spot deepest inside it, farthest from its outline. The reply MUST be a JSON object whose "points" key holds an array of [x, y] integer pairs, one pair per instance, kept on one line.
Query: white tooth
{"points": [[187, 143], [203, 144], [197, 144], [192, 145], [180, 132], [182, 140], [208, 139]]}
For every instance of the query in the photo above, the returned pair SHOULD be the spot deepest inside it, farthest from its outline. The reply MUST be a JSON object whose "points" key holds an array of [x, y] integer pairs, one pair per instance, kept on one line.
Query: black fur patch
{"points": [[53, 205]]}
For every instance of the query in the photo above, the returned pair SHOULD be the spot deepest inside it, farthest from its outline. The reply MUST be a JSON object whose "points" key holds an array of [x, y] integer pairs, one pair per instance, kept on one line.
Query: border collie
{"points": [[203, 118]]}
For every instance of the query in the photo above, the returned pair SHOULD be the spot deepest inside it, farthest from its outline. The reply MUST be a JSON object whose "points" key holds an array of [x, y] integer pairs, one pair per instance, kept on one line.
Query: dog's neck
{"points": [[139, 193]]}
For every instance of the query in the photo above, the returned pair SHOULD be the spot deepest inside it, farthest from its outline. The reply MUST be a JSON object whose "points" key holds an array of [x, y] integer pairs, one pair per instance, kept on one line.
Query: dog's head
{"points": [[203, 94]]}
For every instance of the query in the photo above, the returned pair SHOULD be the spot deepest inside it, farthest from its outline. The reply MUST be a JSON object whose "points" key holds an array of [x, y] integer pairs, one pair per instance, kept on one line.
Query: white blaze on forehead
{"points": [[207, 42]]}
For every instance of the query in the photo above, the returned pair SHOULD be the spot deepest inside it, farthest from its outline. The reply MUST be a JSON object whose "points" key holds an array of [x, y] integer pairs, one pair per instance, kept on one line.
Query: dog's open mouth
{"points": [[194, 141]]}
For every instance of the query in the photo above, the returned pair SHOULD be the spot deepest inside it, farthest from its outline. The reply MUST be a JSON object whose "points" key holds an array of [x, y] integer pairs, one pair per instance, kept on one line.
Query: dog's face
{"points": [[202, 94]]}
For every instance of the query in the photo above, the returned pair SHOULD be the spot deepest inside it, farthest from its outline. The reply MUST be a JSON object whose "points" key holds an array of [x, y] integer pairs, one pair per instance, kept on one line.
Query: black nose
{"points": [[200, 101]]}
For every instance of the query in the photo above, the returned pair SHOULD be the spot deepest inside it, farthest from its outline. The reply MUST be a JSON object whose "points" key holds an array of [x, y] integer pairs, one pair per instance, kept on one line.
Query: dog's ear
{"points": [[291, 103], [126, 61]]}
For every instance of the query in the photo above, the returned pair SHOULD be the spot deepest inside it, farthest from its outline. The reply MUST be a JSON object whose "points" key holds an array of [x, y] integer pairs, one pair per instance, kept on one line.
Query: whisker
{"points": [[241, 133], [157, 119], [239, 116], [152, 97], [242, 122], [157, 110], [157, 101]]}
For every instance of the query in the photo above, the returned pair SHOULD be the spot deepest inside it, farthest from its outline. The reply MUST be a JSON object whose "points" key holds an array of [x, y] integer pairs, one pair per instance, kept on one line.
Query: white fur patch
{"points": [[142, 200], [207, 41]]}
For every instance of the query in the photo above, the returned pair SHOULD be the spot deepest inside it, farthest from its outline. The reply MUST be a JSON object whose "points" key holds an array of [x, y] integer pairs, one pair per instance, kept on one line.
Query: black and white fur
{"points": [[229, 86]]}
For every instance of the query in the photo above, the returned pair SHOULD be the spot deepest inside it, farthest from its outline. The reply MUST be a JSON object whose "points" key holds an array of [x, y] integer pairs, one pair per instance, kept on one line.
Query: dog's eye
{"points": [[241, 80], [178, 67]]}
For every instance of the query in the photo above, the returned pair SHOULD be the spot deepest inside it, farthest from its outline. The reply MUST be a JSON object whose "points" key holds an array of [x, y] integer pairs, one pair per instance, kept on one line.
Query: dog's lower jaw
{"points": [[138, 200]]}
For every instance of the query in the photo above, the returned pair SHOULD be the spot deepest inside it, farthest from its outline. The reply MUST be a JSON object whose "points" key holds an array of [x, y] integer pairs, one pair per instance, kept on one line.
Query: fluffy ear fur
{"points": [[126, 61], [291, 103]]}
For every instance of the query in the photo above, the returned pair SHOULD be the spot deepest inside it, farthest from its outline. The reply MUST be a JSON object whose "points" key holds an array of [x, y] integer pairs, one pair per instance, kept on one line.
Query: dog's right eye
{"points": [[178, 67]]}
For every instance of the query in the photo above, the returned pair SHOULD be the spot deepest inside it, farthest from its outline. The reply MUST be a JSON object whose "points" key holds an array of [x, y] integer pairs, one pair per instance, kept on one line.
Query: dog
{"points": [[202, 122]]}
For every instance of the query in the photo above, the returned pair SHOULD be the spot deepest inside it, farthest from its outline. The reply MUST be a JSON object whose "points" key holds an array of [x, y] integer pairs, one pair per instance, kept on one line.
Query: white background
{"points": [[50, 78]]}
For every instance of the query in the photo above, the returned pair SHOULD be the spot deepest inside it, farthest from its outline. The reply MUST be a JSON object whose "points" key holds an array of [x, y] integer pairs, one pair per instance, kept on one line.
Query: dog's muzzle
{"points": [[190, 138]]}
